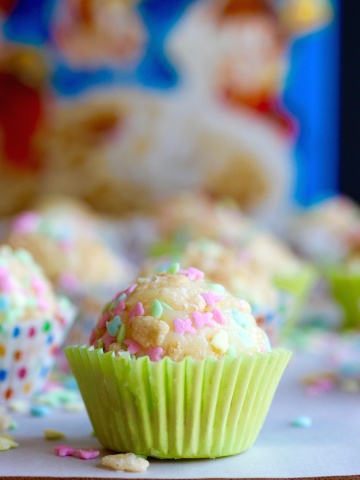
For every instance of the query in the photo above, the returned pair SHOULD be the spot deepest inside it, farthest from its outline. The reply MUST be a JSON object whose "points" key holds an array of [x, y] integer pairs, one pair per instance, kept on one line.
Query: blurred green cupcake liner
{"points": [[189, 409], [296, 289], [345, 288]]}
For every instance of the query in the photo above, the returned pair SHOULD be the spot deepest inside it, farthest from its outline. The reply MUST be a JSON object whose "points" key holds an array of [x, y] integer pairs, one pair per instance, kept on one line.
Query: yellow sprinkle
{"points": [[53, 434], [220, 341]]}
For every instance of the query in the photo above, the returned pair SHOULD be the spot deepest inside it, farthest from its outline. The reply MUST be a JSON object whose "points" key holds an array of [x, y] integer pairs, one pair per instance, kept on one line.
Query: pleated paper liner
{"points": [[27, 354], [188, 409], [345, 288], [296, 289]]}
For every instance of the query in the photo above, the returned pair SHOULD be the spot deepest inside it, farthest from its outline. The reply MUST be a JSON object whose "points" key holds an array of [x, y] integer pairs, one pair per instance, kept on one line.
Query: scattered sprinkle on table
{"points": [[302, 421]]}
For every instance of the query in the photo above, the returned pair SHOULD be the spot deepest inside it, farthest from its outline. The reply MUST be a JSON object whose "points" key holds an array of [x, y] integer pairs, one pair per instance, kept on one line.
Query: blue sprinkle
{"points": [[113, 326], [3, 375], [16, 332], [40, 411], [122, 297], [302, 421], [240, 318], [4, 303], [50, 339], [44, 371]]}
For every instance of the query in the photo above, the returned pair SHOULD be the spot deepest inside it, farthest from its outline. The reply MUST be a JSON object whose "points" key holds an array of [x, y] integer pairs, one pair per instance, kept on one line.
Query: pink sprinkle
{"points": [[3, 272], [136, 311], [192, 273], [201, 319], [68, 281], [107, 339], [43, 303], [37, 285], [183, 326], [211, 298], [64, 451], [86, 454], [155, 354], [22, 373], [26, 222], [92, 337], [130, 290], [120, 307], [218, 316], [133, 346], [7, 284], [103, 319]]}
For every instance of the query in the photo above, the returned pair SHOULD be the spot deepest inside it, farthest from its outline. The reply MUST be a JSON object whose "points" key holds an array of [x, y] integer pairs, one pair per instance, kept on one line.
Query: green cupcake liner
{"points": [[188, 409], [297, 288], [345, 288]]}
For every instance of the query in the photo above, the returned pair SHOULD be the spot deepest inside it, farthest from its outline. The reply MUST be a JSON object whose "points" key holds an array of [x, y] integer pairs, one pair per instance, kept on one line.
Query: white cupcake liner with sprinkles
{"points": [[27, 354]]}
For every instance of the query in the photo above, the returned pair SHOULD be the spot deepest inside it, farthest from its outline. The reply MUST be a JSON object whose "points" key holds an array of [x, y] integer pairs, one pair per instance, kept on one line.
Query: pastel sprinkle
{"points": [[120, 307], [64, 450], [50, 434], [26, 222], [240, 318], [201, 319], [107, 339], [92, 337], [133, 346], [156, 309], [130, 289], [113, 326], [155, 354], [4, 303], [40, 411], [211, 298], [216, 287], [174, 268], [183, 326], [193, 273], [302, 421], [218, 316], [86, 454], [122, 333], [136, 311], [122, 297]]}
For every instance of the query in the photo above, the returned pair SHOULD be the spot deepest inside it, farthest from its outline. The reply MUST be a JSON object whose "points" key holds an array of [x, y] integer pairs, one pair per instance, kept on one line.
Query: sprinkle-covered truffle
{"points": [[178, 314]]}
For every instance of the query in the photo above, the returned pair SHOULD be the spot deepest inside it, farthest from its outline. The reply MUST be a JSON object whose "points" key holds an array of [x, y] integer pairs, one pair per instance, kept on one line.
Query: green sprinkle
{"points": [[240, 318], [156, 309], [174, 268], [122, 333], [100, 343], [47, 326], [166, 305], [216, 287], [24, 256]]}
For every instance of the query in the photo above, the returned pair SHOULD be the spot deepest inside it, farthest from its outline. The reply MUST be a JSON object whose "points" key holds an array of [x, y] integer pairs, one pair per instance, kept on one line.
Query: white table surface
{"points": [[329, 448]]}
